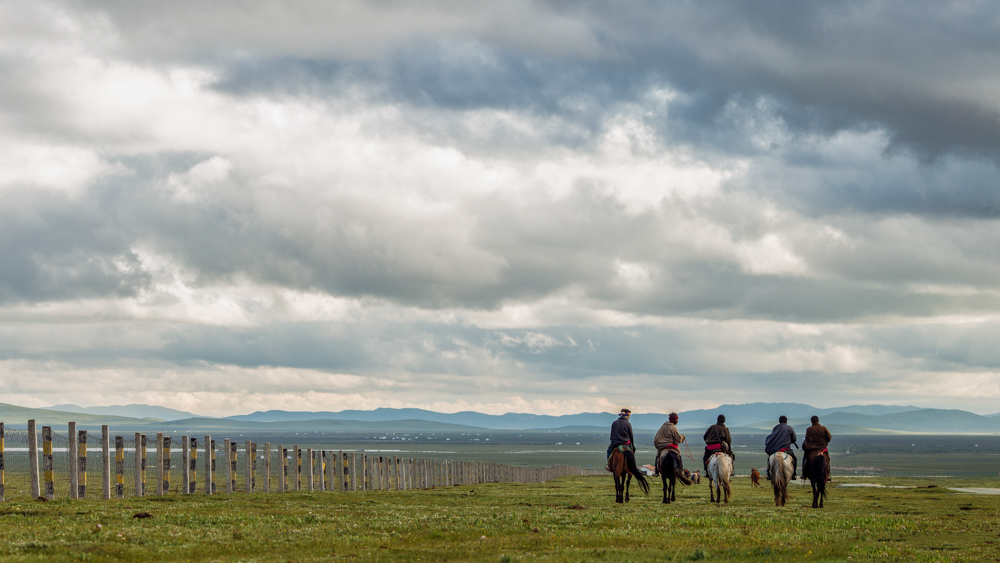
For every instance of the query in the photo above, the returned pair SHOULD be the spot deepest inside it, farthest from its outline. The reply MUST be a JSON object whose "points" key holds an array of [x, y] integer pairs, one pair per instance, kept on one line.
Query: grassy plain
{"points": [[569, 519]]}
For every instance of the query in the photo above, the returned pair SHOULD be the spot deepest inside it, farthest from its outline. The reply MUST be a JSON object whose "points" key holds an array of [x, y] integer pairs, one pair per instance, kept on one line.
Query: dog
{"points": [[754, 477]]}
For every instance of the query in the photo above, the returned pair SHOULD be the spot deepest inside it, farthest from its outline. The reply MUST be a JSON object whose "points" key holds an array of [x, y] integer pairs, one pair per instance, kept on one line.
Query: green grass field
{"points": [[569, 519]]}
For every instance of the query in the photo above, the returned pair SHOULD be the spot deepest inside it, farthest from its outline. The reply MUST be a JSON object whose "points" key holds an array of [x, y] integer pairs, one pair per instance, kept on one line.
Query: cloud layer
{"points": [[521, 206]]}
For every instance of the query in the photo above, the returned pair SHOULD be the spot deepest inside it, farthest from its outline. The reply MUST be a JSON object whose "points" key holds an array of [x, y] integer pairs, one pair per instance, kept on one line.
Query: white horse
{"points": [[720, 467], [780, 466]]}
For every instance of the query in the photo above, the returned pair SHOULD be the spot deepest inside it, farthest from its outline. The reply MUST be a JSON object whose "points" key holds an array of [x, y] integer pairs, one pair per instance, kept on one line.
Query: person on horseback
{"points": [[817, 439], [667, 441], [718, 439], [782, 439], [621, 434]]}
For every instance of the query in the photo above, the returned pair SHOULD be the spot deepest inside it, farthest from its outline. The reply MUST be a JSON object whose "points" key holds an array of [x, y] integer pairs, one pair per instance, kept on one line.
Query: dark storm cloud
{"points": [[53, 247]]}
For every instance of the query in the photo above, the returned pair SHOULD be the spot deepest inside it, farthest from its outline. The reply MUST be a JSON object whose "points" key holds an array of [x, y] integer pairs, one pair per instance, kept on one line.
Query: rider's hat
{"points": [[625, 411]]}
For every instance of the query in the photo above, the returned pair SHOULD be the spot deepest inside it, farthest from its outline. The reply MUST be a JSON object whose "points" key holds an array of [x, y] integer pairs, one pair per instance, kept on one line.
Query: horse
{"points": [[665, 467], [720, 467], [754, 477], [780, 466], [623, 467], [815, 469]]}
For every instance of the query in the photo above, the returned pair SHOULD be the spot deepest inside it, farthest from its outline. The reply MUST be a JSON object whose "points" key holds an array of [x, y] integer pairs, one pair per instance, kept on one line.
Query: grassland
{"points": [[569, 519]]}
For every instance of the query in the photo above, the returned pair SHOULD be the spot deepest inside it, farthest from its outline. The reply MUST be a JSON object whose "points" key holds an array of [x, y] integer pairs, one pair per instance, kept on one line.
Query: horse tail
{"points": [[634, 470], [818, 474], [724, 478]]}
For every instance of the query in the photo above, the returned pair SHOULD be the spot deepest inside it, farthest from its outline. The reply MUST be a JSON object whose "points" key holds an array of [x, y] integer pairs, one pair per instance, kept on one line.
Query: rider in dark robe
{"points": [[621, 434], [817, 439], [667, 441], [782, 439], [717, 438]]}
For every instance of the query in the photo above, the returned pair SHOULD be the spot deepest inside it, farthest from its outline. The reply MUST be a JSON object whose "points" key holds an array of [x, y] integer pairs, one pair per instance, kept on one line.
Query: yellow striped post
{"points": [[81, 464], [50, 479], [193, 468], [119, 467]]}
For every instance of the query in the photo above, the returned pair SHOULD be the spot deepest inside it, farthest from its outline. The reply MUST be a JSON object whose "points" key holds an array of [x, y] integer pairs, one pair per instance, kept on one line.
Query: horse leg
{"points": [[666, 497], [815, 493], [618, 488], [628, 481], [673, 488]]}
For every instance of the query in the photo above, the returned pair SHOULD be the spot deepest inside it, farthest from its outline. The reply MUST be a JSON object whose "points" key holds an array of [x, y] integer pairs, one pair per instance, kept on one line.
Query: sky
{"points": [[522, 206]]}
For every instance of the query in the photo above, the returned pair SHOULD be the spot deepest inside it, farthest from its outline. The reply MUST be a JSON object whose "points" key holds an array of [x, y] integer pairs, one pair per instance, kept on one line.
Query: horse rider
{"points": [[817, 439], [667, 441], [621, 434], [718, 439], [782, 439]]}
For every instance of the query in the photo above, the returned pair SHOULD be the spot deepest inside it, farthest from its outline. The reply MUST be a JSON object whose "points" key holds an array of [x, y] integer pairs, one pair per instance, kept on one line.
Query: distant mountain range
{"points": [[131, 411], [736, 416], [749, 418]]}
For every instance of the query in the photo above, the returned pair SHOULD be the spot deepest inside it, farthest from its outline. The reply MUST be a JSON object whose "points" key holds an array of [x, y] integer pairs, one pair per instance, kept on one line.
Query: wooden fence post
{"points": [[310, 462], [74, 476], [247, 460], [336, 471], [81, 464], [2, 475], [232, 465], [209, 463], [354, 472], [321, 470], [33, 460], [50, 482], [283, 482], [119, 467], [361, 465], [267, 467], [228, 472], [166, 464], [106, 462], [139, 460], [253, 467], [298, 468], [159, 463], [185, 465]]}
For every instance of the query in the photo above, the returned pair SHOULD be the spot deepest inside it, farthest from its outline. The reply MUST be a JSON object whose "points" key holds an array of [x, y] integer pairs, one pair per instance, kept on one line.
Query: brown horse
{"points": [[754, 477], [816, 470], [623, 467]]}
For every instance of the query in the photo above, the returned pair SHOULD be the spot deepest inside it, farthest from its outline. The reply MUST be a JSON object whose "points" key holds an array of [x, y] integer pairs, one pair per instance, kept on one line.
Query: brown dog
{"points": [[754, 477]]}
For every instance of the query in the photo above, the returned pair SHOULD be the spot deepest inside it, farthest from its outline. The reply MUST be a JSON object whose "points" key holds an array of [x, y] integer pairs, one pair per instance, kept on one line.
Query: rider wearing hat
{"points": [[782, 439], [667, 441], [718, 439], [621, 434], [817, 438]]}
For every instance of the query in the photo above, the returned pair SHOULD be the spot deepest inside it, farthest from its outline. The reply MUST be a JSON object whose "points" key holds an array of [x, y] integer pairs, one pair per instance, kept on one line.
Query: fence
{"points": [[80, 464]]}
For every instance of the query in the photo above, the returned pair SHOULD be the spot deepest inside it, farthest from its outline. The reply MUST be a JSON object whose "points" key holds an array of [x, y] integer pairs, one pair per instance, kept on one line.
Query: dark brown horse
{"points": [[816, 470], [665, 467], [623, 467]]}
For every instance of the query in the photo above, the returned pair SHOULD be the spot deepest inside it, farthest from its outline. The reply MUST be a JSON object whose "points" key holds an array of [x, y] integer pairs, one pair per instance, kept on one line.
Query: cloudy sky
{"points": [[529, 206]]}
